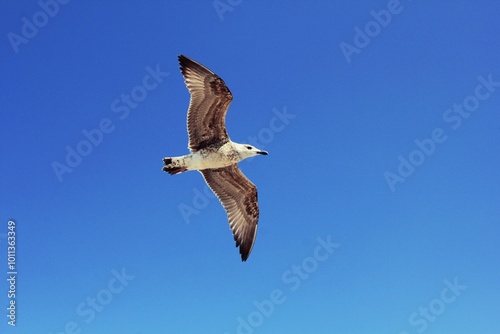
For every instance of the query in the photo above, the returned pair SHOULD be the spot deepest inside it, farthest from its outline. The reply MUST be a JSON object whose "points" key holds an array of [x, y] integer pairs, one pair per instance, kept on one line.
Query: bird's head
{"points": [[247, 151]]}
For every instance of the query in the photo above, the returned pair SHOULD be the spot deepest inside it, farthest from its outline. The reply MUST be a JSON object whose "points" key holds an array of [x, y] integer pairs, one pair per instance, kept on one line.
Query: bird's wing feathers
{"points": [[238, 196], [210, 99]]}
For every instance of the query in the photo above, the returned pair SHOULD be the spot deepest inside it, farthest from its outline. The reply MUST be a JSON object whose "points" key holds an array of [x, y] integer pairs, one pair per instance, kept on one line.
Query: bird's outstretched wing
{"points": [[238, 196], [210, 99]]}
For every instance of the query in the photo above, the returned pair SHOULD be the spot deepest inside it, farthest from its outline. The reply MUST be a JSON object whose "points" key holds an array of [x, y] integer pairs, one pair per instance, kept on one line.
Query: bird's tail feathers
{"points": [[174, 165]]}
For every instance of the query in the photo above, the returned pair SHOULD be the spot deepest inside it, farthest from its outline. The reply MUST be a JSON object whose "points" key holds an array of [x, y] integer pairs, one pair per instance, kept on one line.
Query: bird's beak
{"points": [[262, 152]]}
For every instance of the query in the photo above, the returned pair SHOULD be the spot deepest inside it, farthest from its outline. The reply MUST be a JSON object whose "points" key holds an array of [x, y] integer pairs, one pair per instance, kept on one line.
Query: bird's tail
{"points": [[174, 165]]}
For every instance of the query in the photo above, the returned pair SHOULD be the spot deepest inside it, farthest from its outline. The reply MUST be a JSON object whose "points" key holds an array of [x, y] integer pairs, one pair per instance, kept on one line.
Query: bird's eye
{"points": [[249, 147]]}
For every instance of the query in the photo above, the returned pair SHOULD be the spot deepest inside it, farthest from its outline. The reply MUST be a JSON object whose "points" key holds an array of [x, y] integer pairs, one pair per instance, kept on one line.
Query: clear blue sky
{"points": [[379, 198]]}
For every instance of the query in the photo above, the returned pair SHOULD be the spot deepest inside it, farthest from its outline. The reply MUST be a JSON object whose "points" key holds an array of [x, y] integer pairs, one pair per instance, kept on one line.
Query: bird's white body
{"points": [[212, 157]]}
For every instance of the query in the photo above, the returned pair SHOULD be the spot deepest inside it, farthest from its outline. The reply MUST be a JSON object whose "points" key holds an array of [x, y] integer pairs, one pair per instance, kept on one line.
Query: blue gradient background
{"points": [[324, 176]]}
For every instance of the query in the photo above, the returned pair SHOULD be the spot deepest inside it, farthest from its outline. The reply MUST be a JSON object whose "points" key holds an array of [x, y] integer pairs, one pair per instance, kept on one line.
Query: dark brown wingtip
{"points": [[186, 62], [183, 59], [245, 249], [244, 256]]}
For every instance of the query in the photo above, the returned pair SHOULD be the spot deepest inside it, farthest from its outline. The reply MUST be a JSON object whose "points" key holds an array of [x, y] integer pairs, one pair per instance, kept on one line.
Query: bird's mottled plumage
{"points": [[229, 184], [215, 155], [210, 99]]}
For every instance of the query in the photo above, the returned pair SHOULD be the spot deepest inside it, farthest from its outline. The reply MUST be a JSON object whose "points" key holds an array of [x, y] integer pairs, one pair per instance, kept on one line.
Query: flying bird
{"points": [[214, 155]]}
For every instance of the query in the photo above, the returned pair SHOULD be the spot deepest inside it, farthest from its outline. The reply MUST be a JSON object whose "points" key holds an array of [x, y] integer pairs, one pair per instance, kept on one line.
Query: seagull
{"points": [[214, 155]]}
